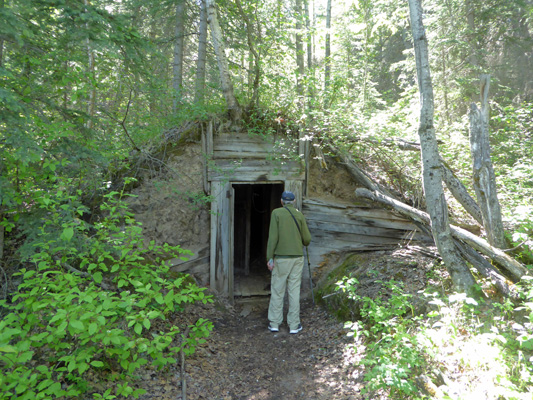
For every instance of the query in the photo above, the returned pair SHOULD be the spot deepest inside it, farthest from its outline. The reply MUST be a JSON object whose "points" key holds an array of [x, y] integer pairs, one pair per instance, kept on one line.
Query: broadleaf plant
{"points": [[91, 299]]}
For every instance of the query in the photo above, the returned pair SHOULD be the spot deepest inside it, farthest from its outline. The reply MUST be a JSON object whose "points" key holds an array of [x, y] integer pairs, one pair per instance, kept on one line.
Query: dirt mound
{"points": [[413, 269]]}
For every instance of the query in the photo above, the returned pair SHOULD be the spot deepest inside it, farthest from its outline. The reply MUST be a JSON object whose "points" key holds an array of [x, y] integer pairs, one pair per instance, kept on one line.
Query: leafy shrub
{"points": [[95, 299], [392, 353]]}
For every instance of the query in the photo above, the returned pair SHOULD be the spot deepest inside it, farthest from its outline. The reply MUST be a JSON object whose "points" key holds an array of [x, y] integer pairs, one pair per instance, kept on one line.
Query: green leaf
{"points": [[55, 388], [97, 276], [138, 328], [159, 298], [67, 234], [146, 323], [7, 349], [97, 364], [83, 367], [78, 325], [71, 366], [93, 327]]}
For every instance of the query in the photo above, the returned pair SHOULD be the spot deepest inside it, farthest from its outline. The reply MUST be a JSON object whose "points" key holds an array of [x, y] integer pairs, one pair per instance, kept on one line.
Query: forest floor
{"points": [[243, 360]]}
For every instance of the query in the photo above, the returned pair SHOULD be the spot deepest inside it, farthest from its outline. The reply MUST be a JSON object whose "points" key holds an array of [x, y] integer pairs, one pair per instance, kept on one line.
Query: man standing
{"points": [[287, 235]]}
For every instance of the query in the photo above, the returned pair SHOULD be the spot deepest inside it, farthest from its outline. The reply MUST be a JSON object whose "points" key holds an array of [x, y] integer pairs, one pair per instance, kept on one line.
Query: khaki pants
{"points": [[287, 274]]}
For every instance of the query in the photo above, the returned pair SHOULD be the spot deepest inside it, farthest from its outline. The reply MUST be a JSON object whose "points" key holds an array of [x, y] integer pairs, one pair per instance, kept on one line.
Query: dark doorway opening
{"points": [[253, 205]]}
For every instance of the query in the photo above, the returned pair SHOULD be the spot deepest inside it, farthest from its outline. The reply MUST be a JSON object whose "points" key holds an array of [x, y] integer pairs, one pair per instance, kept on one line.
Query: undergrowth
{"points": [[93, 300], [461, 349]]}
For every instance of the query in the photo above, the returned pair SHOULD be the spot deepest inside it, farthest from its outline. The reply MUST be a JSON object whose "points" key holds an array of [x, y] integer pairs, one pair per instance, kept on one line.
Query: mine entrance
{"points": [[253, 205]]}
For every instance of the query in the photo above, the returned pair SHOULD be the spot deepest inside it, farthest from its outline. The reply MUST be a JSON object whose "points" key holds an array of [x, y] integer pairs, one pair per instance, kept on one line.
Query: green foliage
{"points": [[511, 149], [392, 355], [522, 339], [471, 348], [92, 299]]}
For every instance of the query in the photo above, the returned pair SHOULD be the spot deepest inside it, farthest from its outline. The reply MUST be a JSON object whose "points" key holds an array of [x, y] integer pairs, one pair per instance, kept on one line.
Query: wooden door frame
{"points": [[222, 229]]}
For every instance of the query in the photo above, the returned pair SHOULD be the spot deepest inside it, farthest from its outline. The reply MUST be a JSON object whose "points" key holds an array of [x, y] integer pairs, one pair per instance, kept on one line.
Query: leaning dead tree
{"points": [[483, 173], [453, 183], [431, 167], [469, 245], [508, 266]]}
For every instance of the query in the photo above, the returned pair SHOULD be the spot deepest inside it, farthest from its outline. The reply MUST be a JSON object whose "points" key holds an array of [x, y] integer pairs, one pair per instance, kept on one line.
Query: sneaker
{"points": [[297, 329], [272, 328]]}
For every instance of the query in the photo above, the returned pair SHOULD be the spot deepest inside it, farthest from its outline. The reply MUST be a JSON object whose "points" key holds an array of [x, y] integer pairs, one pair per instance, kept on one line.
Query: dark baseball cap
{"points": [[288, 196]]}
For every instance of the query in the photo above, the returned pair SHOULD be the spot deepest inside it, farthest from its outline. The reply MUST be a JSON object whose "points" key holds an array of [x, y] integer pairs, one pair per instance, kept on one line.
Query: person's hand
{"points": [[270, 265]]}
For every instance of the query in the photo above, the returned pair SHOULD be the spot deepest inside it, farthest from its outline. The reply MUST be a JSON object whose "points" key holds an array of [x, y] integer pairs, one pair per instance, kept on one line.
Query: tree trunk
{"points": [[431, 169], [202, 55], [472, 57], [310, 68], [1, 38], [484, 178], [2, 230], [233, 105], [177, 64], [300, 72], [458, 190], [509, 266], [327, 61], [91, 109], [257, 66]]}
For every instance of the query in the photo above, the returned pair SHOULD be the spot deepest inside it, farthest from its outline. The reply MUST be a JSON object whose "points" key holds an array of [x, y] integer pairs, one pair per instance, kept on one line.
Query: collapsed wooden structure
{"points": [[245, 175]]}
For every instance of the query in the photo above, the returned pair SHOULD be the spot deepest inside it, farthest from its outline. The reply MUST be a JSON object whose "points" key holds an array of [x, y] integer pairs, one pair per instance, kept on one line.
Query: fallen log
{"points": [[511, 268], [360, 176], [485, 268]]}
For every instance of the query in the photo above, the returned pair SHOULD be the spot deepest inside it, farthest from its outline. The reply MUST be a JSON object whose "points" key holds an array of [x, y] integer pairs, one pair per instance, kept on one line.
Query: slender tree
{"points": [[1, 38], [327, 61], [177, 65], [300, 65], [256, 58], [431, 167], [483, 172], [91, 109], [233, 105], [310, 66], [202, 55]]}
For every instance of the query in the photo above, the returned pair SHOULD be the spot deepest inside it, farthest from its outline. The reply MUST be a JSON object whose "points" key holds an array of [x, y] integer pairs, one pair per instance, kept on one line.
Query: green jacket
{"points": [[284, 239]]}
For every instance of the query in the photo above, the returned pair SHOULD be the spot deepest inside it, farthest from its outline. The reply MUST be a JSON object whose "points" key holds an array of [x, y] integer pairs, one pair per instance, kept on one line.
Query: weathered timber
{"points": [[485, 268], [344, 227], [483, 172], [254, 171], [431, 171], [221, 259], [509, 266], [359, 175], [460, 193], [242, 145], [295, 186]]}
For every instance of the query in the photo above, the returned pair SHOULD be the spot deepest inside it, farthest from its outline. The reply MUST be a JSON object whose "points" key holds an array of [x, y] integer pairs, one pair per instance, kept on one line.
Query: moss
{"points": [[336, 301]]}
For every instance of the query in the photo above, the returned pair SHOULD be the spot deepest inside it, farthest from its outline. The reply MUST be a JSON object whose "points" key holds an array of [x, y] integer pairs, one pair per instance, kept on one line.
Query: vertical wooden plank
{"points": [[229, 270], [248, 229], [205, 164], [307, 161], [304, 148], [295, 187], [216, 188], [221, 268], [209, 140]]}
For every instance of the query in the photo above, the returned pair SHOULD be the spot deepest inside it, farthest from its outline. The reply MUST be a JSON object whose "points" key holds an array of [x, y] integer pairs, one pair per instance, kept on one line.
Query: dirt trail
{"points": [[242, 360]]}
